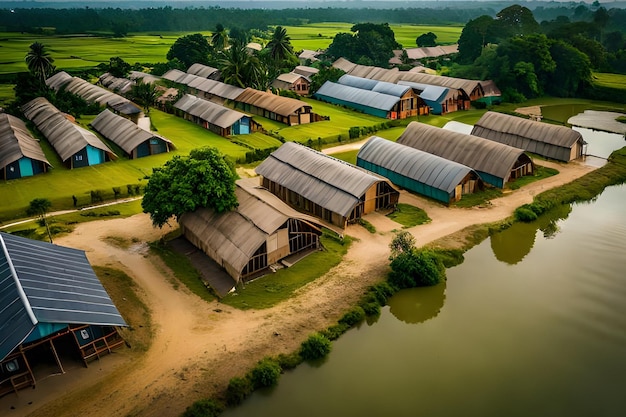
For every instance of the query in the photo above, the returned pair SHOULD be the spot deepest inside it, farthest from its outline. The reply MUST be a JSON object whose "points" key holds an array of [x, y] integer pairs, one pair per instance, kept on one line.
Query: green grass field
{"points": [[610, 80]]}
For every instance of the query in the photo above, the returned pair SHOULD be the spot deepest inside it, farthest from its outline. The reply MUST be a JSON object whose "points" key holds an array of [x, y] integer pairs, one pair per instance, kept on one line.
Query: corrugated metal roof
{"points": [[357, 82], [174, 75], [431, 51], [146, 78], [423, 167], [283, 106], [202, 70], [126, 134], [480, 154], [233, 237], [306, 71], [359, 96], [16, 142], [290, 77], [428, 92], [216, 88], [457, 83], [120, 85], [45, 283], [391, 89], [344, 65], [58, 80], [324, 180], [96, 94], [211, 112], [503, 128], [66, 137]]}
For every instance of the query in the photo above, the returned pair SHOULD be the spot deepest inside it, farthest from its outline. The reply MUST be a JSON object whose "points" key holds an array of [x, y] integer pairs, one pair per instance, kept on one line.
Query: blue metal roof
{"points": [[357, 82], [45, 283], [428, 92], [347, 94]]}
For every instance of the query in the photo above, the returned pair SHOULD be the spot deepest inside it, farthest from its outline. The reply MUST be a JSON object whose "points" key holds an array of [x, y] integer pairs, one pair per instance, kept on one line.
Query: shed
{"points": [[50, 300], [306, 71], [469, 90], [204, 71], [496, 163], [259, 233], [133, 140], [144, 77], [308, 55], [282, 109], [440, 100], [551, 141], [20, 153], [77, 146], [292, 81], [216, 118], [118, 85], [328, 188], [418, 171], [212, 90]]}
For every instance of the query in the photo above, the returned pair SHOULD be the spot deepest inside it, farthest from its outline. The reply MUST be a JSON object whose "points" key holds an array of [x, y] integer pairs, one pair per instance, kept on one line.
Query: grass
{"points": [[479, 198], [257, 140], [7, 94], [409, 216], [540, 173], [348, 156], [276, 287], [609, 80]]}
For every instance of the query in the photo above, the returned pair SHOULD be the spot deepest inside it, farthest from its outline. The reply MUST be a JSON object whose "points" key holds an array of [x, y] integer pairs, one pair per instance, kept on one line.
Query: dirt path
{"points": [[194, 339]]}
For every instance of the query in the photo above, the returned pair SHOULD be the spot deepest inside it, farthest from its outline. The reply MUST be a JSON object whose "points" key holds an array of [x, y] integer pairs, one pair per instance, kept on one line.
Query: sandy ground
{"points": [[196, 341]]}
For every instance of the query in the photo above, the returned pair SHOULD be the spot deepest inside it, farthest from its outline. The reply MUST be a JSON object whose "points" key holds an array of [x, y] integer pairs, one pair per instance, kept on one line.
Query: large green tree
{"points": [[39, 61], [426, 39], [219, 38], [515, 20], [279, 45], [476, 34], [205, 178], [370, 44], [191, 49], [144, 93]]}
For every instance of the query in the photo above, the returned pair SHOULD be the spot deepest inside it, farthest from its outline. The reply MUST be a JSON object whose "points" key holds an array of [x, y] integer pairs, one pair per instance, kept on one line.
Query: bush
{"points": [[381, 292], [289, 361], [352, 317], [525, 214], [315, 347], [204, 408], [416, 268], [371, 308], [265, 374], [333, 332], [238, 390]]}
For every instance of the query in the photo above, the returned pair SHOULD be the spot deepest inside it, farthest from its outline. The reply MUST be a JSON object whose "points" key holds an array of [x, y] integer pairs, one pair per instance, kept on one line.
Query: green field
{"points": [[610, 80]]}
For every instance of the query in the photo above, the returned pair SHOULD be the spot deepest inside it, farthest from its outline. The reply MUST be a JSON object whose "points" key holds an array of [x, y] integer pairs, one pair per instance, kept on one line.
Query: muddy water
{"points": [[532, 323]]}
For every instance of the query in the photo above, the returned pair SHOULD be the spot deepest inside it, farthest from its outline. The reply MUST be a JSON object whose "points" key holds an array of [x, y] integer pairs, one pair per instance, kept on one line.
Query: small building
{"points": [[469, 90], [282, 109], [52, 306], [218, 119], [327, 188], [440, 100], [496, 163], [424, 52], [259, 233], [292, 81], [133, 140], [20, 153], [418, 171], [77, 146], [308, 56], [212, 90], [306, 71], [366, 71], [204, 71], [58, 80], [547, 140], [118, 85], [144, 77]]}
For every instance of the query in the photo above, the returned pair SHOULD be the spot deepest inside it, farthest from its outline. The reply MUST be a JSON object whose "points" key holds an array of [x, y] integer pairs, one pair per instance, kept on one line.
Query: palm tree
{"points": [[145, 93], [39, 61], [220, 38], [280, 44], [241, 68]]}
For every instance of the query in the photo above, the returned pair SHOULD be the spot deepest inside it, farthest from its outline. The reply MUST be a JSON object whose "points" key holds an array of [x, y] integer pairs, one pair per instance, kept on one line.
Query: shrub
{"points": [[333, 332], [315, 347], [289, 361], [116, 192], [371, 308], [354, 132], [416, 268], [130, 189], [238, 390], [265, 374], [381, 292], [525, 214], [204, 408], [352, 317]]}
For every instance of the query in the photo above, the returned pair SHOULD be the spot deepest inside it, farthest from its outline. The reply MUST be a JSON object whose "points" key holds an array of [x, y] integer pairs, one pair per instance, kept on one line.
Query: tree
{"points": [[403, 242], [515, 20], [370, 44], [416, 268], [190, 49], [280, 44], [240, 35], [39, 207], [573, 71], [326, 73], [219, 39], [241, 68], [144, 93], [474, 37], [205, 178], [39, 61], [426, 39], [118, 67]]}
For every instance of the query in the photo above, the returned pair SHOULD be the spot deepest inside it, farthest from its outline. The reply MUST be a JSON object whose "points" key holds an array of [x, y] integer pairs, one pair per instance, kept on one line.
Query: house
{"points": [[282, 109], [208, 89], [547, 140], [248, 240], [418, 171], [366, 71], [496, 163], [424, 52], [440, 100], [133, 140], [325, 187], [308, 56], [20, 153], [306, 71], [52, 305], [216, 118], [468, 90], [292, 81], [77, 146], [204, 71]]}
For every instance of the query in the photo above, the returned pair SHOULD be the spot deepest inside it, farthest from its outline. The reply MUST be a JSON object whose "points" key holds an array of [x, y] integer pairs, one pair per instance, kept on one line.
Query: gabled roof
{"points": [[121, 131], [290, 77], [420, 166], [456, 83], [16, 142], [480, 154], [309, 54], [235, 236], [344, 65], [365, 71], [45, 283], [283, 106], [382, 87], [322, 179], [358, 96], [96, 94], [202, 70], [306, 71], [429, 92], [216, 88], [66, 137], [211, 112], [175, 75]]}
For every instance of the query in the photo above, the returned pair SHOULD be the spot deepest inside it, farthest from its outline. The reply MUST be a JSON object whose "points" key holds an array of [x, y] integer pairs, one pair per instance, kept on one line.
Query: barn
{"points": [[52, 308], [496, 163], [282, 109], [259, 233], [216, 118], [547, 140], [330, 189], [20, 153], [418, 171], [77, 146], [133, 140], [365, 101]]}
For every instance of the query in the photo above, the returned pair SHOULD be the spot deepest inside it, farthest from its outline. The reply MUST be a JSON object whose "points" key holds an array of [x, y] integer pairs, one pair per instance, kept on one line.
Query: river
{"points": [[532, 323]]}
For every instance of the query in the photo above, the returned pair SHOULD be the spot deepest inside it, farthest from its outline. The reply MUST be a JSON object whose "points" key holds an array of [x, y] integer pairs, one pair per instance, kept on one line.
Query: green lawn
{"points": [[409, 216], [7, 94], [407, 34], [610, 80]]}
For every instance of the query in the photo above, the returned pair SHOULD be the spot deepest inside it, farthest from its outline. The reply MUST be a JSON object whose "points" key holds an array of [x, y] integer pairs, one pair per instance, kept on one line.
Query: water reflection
{"points": [[416, 305], [601, 144], [513, 244]]}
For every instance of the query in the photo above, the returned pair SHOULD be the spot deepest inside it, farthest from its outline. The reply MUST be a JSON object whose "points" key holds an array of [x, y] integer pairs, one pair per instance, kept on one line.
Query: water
{"points": [[601, 144], [532, 323]]}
